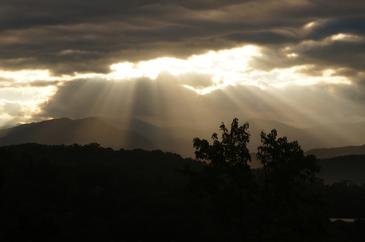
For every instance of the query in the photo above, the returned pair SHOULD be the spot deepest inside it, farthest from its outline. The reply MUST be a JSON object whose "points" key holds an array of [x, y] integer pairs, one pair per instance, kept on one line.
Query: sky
{"points": [[301, 62]]}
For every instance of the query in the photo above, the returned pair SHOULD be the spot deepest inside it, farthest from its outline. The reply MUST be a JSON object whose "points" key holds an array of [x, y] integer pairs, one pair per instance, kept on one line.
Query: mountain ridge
{"points": [[69, 131], [138, 133], [325, 153]]}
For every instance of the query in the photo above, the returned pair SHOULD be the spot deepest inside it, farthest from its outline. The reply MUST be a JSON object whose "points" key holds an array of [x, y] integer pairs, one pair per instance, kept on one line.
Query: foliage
{"points": [[291, 194], [283, 203], [284, 162], [227, 180], [230, 151]]}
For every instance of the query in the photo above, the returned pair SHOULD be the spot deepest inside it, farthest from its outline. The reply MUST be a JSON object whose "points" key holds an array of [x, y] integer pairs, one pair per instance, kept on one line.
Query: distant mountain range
{"points": [[137, 133], [341, 163], [325, 153], [68, 131]]}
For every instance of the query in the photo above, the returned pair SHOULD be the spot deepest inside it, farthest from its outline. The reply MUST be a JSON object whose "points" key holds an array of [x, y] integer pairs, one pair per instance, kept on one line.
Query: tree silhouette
{"points": [[277, 203], [230, 151], [284, 162], [291, 193], [227, 178]]}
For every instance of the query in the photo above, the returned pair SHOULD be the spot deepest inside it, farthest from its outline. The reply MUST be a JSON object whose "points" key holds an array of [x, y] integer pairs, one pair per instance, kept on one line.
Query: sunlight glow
{"points": [[226, 68], [310, 25], [223, 66], [345, 37], [29, 75], [22, 92], [292, 55], [282, 77], [22, 103]]}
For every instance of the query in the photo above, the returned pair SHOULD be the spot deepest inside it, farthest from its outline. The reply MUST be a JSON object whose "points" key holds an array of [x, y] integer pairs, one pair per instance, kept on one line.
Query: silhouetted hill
{"points": [[177, 138], [343, 168], [77, 193], [329, 135], [325, 153], [349, 168], [341, 163], [133, 133], [68, 131]]}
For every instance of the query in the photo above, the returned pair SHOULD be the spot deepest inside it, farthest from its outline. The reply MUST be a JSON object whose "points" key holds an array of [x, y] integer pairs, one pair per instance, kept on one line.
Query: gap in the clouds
{"points": [[224, 67], [208, 74]]}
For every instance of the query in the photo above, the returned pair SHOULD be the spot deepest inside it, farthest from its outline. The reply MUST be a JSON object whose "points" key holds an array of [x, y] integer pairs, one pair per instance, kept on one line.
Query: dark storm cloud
{"points": [[67, 36], [341, 54], [354, 25]]}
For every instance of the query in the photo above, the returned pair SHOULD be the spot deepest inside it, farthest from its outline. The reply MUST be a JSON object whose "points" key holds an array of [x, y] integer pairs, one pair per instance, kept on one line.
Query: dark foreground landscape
{"points": [[107, 109], [91, 193]]}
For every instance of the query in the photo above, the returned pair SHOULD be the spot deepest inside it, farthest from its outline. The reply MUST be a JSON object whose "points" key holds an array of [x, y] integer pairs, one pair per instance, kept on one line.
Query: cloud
{"points": [[347, 52], [13, 112], [13, 109], [243, 65], [20, 102], [67, 47], [167, 80], [87, 36]]}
